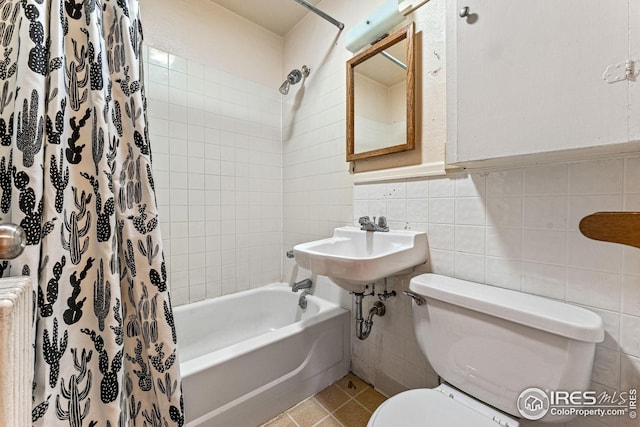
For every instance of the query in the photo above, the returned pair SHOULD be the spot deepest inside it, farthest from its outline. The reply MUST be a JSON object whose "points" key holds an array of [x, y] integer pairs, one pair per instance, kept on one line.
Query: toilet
{"points": [[489, 346]]}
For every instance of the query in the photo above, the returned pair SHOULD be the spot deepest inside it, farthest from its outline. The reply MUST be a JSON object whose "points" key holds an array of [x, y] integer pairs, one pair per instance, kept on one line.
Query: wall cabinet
{"points": [[527, 78]]}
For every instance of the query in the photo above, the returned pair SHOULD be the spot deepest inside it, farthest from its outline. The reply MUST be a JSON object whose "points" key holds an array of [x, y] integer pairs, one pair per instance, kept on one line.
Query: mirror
{"points": [[380, 98]]}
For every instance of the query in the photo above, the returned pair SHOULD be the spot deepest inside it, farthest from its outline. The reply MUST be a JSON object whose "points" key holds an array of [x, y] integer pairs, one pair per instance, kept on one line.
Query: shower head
{"points": [[293, 78], [284, 87]]}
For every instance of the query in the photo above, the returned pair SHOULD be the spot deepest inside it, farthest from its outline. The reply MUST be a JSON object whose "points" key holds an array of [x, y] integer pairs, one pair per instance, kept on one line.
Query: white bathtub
{"points": [[249, 356]]}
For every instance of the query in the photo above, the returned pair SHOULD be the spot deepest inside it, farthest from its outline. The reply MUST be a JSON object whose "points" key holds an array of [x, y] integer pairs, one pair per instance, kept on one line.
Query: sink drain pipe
{"points": [[363, 327]]}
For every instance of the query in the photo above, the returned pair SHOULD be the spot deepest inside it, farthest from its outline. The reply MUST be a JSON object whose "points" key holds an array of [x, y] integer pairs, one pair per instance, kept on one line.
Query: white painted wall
{"points": [[202, 31]]}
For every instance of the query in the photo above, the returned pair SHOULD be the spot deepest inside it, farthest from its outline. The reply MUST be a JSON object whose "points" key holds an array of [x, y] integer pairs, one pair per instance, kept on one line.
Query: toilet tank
{"points": [[493, 343]]}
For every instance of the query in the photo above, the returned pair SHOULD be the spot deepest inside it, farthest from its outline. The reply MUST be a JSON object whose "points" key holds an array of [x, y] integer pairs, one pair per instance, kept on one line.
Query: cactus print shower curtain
{"points": [[75, 173]]}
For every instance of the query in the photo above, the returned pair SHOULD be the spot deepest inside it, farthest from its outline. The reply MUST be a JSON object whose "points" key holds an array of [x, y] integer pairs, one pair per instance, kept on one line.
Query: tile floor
{"points": [[349, 402]]}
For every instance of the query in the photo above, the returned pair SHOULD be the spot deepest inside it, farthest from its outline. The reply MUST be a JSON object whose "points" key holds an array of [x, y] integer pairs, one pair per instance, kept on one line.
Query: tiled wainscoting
{"points": [[516, 229]]}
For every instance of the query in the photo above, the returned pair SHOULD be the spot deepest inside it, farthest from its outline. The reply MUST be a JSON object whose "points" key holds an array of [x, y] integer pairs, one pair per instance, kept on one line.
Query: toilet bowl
{"points": [[440, 406], [491, 346]]}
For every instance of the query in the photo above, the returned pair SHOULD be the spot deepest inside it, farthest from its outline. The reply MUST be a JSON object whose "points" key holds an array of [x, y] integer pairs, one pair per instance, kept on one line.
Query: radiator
{"points": [[16, 351]]}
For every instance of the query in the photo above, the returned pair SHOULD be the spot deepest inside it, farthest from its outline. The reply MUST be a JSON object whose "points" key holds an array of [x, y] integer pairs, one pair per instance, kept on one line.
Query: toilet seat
{"points": [[426, 408]]}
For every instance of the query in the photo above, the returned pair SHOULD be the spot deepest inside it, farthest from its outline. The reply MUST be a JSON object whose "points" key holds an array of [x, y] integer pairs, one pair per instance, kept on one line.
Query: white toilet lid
{"points": [[426, 408]]}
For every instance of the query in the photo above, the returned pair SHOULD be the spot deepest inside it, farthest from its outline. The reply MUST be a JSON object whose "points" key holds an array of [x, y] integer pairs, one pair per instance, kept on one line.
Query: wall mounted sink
{"points": [[353, 258]]}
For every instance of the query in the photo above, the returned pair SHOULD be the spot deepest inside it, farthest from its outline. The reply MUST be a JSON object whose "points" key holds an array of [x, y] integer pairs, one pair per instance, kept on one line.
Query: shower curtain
{"points": [[75, 173]]}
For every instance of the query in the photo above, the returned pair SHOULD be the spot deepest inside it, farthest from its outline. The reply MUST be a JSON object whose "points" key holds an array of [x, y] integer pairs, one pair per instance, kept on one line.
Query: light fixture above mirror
{"points": [[380, 97]]}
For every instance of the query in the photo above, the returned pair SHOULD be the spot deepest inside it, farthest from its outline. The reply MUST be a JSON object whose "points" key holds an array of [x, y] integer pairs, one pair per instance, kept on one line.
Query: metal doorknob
{"points": [[464, 12], [12, 241]]}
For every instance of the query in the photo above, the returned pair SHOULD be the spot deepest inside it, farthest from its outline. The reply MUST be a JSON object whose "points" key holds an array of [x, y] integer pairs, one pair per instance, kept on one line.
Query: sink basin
{"points": [[353, 258]]}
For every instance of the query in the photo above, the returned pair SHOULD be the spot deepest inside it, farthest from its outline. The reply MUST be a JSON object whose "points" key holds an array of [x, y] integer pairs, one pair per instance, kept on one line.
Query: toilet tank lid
{"points": [[530, 310]]}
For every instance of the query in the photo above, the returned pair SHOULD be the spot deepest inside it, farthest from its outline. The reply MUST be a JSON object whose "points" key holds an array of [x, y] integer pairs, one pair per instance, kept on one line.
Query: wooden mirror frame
{"points": [[404, 33]]}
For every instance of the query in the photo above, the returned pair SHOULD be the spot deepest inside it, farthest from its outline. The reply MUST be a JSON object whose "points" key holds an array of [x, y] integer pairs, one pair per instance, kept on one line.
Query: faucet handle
{"points": [[363, 220], [382, 221]]}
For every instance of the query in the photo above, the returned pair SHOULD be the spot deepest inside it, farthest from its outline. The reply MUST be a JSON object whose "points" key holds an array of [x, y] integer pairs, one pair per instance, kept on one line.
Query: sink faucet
{"points": [[303, 284], [368, 225]]}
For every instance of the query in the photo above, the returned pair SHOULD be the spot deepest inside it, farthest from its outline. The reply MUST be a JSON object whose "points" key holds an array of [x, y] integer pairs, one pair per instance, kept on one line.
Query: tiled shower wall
{"points": [[217, 167], [516, 229]]}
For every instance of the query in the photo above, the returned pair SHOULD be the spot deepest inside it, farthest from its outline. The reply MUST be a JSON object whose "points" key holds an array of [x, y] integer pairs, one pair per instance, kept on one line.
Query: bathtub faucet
{"points": [[303, 284], [302, 301]]}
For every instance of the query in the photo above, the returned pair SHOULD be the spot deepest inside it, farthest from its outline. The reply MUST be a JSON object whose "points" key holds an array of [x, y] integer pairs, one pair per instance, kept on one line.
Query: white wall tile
{"points": [[632, 175], [505, 183], [178, 130], [606, 368], [504, 242], [417, 210], [545, 246], [611, 322], [397, 209], [442, 187], [441, 211], [544, 279], [470, 185], [631, 295], [593, 254], [160, 145], [180, 246], [441, 236], [158, 127], [631, 261], [179, 296], [396, 190], [178, 96], [596, 177], [470, 239], [594, 288], [179, 164], [631, 202], [531, 243], [179, 264], [505, 273], [546, 180], [470, 267], [418, 189], [158, 57], [177, 79], [186, 136], [442, 262], [545, 212], [361, 192], [470, 211], [158, 74], [630, 372], [629, 335], [504, 211], [157, 91]]}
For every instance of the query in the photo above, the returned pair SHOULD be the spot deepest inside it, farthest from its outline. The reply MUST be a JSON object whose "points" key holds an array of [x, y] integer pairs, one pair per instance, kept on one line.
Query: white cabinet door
{"points": [[526, 76]]}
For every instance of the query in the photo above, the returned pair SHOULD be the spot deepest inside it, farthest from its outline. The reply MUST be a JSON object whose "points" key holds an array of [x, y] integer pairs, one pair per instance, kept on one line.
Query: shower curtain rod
{"points": [[320, 13], [394, 59]]}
